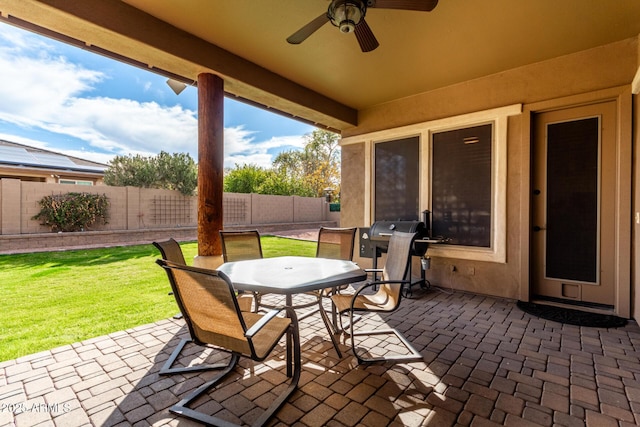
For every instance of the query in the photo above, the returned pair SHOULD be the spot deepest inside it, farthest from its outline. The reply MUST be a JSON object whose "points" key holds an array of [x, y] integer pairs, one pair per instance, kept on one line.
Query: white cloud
{"points": [[44, 92], [241, 147]]}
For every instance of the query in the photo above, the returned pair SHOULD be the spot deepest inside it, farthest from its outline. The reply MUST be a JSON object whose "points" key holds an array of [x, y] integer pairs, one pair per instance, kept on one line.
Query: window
{"points": [[396, 180], [74, 181], [461, 185], [457, 166]]}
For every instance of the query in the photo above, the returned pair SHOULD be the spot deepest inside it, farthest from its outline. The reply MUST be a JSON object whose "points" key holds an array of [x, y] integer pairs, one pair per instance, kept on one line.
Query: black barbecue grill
{"points": [[374, 240], [377, 236], [380, 232]]}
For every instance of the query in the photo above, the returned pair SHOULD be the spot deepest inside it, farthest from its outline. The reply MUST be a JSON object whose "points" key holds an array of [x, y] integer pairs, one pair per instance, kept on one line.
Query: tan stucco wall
{"points": [[596, 69], [352, 195], [599, 68]]}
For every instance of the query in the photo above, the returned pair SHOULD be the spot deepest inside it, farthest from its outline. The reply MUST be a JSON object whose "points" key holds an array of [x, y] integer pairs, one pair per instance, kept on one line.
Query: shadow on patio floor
{"points": [[485, 363]]}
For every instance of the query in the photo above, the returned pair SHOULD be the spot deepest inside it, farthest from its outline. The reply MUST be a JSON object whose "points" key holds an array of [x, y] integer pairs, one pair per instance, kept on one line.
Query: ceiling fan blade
{"points": [[365, 37], [420, 5], [304, 32]]}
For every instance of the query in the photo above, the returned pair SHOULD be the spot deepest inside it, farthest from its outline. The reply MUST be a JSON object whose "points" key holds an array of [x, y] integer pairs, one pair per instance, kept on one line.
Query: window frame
{"points": [[425, 130], [67, 181]]}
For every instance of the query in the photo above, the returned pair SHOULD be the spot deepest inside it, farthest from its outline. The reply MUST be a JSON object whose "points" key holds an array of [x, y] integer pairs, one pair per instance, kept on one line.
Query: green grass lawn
{"points": [[50, 299]]}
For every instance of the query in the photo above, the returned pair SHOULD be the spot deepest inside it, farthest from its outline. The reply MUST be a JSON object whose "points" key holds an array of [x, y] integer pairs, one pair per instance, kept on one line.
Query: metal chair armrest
{"points": [[262, 322]]}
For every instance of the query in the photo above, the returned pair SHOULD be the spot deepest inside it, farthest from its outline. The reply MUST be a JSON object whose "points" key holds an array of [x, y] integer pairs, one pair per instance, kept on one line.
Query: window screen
{"points": [[397, 180], [461, 185]]}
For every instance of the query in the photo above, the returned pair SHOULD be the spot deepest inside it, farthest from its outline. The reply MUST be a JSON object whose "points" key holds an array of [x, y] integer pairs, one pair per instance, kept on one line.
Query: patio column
{"points": [[210, 169]]}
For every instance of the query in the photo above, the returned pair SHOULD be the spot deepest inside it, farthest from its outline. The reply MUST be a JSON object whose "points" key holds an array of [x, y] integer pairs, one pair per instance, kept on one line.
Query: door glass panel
{"points": [[572, 200]]}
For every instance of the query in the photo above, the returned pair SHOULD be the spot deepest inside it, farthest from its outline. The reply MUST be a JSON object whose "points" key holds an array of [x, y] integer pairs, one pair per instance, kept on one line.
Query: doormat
{"points": [[571, 316]]}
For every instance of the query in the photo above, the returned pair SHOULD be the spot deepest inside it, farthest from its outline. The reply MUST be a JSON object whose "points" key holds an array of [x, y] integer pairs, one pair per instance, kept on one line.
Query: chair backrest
{"points": [[336, 243], [240, 245], [396, 266], [171, 251], [209, 306]]}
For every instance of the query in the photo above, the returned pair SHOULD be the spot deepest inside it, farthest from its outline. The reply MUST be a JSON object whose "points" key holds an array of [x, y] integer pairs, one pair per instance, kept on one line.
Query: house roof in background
{"points": [[19, 155]]}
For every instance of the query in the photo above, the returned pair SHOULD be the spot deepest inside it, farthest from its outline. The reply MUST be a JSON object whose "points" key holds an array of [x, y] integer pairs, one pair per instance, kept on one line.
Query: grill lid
{"points": [[386, 228]]}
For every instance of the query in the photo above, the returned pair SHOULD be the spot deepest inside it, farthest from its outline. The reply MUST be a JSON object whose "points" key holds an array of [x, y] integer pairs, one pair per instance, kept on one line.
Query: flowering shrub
{"points": [[73, 211]]}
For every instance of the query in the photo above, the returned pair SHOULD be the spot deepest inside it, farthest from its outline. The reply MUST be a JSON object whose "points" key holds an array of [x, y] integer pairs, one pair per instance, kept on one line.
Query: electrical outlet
{"points": [[471, 271]]}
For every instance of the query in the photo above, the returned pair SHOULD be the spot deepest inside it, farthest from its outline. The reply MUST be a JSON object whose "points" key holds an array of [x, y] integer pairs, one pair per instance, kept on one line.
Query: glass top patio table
{"points": [[290, 275]]}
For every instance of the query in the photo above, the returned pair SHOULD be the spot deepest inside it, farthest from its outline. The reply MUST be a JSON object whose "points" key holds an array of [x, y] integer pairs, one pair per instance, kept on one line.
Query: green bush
{"points": [[73, 211]]}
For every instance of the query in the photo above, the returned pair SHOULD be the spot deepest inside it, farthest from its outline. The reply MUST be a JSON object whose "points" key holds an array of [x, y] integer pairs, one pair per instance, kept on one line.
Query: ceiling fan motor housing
{"points": [[346, 14]]}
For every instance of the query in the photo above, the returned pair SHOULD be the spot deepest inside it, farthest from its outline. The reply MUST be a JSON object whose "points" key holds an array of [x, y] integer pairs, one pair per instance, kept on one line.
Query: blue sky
{"points": [[68, 100]]}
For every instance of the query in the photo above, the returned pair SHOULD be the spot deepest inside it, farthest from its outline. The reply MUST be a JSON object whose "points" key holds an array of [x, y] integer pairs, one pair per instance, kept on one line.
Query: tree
{"points": [[244, 179], [317, 166], [176, 171], [136, 171], [304, 173], [255, 179], [281, 184]]}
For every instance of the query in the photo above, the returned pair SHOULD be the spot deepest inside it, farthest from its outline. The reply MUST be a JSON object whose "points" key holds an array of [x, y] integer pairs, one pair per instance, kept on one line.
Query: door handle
{"points": [[537, 228]]}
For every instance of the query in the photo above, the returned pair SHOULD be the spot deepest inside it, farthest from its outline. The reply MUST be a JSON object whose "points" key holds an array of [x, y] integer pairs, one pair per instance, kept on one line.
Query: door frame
{"points": [[623, 191]]}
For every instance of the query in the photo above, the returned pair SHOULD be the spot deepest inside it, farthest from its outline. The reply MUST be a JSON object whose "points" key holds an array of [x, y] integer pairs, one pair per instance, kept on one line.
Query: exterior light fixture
{"points": [[176, 86], [346, 14]]}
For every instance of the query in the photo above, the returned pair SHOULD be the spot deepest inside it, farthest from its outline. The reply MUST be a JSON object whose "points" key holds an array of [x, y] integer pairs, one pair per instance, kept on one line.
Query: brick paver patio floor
{"points": [[485, 363]]}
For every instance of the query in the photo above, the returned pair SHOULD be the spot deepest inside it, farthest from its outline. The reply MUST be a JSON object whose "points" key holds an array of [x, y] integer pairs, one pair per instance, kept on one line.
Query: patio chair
{"points": [[333, 243], [386, 298], [208, 303], [336, 243], [171, 251], [239, 246]]}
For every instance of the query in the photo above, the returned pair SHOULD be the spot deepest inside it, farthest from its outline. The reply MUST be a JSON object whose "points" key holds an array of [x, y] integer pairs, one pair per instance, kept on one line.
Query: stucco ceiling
{"points": [[327, 79]]}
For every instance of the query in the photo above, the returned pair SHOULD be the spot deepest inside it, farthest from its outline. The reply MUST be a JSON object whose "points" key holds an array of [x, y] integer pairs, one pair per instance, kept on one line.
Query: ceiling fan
{"points": [[348, 16]]}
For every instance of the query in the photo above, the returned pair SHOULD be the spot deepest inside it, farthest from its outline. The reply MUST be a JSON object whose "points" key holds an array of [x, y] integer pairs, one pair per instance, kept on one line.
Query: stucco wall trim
{"points": [[435, 125]]}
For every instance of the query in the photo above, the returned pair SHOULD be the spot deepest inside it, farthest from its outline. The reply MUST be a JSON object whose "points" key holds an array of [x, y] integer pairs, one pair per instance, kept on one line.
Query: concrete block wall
{"points": [[237, 208], [10, 212], [306, 209], [32, 192], [177, 210], [267, 209], [134, 208]]}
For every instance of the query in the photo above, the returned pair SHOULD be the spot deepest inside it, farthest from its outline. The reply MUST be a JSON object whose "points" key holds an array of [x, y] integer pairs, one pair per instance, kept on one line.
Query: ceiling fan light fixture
{"points": [[346, 14]]}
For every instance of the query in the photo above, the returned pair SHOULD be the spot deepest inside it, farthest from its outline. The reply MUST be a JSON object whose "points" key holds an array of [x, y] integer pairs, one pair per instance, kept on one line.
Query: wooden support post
{"points": [[210, 164]]}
